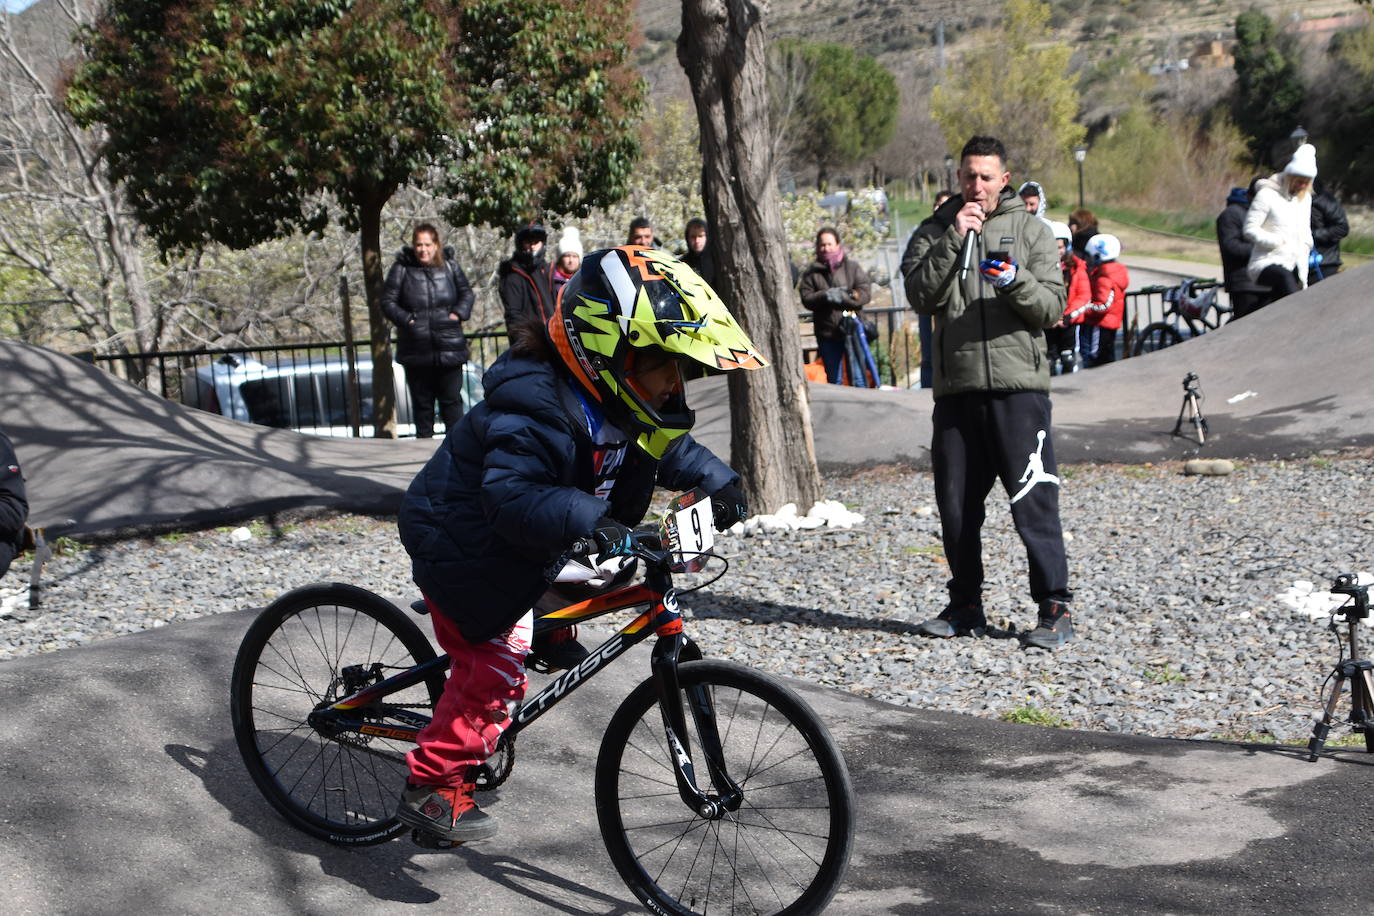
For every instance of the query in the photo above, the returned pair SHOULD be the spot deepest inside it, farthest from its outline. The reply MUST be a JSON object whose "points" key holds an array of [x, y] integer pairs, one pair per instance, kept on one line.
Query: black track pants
{"points": [[978, 438]]}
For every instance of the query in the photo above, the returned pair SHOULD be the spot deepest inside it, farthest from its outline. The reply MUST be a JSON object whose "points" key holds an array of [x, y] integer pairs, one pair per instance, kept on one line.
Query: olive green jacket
{"points": [[986, 339]]}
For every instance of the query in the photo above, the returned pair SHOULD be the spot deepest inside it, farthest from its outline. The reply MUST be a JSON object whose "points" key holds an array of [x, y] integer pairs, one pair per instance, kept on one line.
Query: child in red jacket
{"points": [[1102, 316]]}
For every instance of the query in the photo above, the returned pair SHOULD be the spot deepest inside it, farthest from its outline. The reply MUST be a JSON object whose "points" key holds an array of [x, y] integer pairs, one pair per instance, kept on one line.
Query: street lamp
{"points": [[949, 172], [1079, 154]]}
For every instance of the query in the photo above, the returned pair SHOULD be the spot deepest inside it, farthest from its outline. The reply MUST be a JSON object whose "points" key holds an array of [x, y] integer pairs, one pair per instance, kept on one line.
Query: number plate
{"points": [[688, 530]]}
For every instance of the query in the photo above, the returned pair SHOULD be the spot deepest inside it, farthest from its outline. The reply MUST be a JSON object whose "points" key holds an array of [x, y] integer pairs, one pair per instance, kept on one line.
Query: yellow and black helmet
{"points": [[623, 305]]}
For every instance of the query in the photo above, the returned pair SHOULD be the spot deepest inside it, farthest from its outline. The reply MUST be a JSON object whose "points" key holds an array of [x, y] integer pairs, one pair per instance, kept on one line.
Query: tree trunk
{"points": [[722, 50], [383, 381]]}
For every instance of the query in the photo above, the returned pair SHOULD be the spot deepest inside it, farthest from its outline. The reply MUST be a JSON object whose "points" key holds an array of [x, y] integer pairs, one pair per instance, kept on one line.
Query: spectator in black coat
{"points": [[428, 298], [14, 505], [698, 255], [1329, 226], [1083, 223], [1235, 248], [525, 282]]}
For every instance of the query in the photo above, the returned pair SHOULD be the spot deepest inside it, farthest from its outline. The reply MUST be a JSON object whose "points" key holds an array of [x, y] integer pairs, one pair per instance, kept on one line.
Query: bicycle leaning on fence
{"points": [[717, 788], [1192, 305]]}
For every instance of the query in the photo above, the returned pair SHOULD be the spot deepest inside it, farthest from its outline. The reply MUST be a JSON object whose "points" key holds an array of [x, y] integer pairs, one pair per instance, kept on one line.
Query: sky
{"points": [[14, 6]]}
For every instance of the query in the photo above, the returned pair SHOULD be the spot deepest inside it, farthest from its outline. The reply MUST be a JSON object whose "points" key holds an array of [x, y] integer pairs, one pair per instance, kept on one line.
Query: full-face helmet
{"points": [[633, 305]]}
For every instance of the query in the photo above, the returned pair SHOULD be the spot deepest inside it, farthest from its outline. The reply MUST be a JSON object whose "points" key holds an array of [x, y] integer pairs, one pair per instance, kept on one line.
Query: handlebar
{"points": [[648, 547]]}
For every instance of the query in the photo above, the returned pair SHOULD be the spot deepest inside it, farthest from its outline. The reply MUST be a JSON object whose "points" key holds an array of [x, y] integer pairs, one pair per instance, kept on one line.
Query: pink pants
{"points": [[486, 681]]}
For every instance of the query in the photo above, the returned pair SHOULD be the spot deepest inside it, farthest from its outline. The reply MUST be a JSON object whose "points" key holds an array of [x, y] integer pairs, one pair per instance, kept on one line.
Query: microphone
{"points": [[966, 253]]}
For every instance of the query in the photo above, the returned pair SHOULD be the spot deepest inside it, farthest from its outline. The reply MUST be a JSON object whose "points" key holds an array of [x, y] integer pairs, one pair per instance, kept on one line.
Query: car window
{"points": [[268, 401]]}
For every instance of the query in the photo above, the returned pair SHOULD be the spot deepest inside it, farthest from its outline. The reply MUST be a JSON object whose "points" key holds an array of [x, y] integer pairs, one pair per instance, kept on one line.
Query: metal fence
{"points": [[326, 388]]}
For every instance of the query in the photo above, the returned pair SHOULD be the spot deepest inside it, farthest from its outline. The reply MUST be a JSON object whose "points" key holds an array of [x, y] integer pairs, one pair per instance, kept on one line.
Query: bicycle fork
{"points": [[667, 653]]}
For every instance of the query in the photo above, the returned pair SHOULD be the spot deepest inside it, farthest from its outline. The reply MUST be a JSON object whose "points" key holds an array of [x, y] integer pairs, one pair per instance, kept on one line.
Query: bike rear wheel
{"points": [[340, 787], [1156, 336], [783, 851]]}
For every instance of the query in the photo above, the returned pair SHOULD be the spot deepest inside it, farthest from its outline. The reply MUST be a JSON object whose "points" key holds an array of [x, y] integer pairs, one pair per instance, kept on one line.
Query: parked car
{"points": [[304, 393]]}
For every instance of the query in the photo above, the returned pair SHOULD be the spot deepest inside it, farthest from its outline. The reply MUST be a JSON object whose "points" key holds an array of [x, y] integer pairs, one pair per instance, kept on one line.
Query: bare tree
{"points": [[722, 49], [64, 222]]}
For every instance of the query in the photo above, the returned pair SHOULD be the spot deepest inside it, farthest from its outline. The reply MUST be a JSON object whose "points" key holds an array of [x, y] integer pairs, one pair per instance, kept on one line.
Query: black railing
{"points": [[326, 387], [323, 387], [897, 351]]}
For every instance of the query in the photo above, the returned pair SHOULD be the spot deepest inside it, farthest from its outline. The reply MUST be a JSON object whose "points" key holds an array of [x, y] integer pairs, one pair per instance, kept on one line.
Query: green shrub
{"points": [[1034, 715]]}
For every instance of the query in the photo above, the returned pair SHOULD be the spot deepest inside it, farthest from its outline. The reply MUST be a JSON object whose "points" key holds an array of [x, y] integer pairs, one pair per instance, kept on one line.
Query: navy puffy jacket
{"points": [[14, 504], [489, 516]]}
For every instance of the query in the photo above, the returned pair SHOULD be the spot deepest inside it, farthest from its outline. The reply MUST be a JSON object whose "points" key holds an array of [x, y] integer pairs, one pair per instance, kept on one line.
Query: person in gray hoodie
{"points": [[1033, 195]]}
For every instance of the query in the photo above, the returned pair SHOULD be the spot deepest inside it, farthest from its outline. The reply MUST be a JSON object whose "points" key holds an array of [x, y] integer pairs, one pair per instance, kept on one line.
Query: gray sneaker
{"points": [[1054, 629], [962, 619], [445, 811]]}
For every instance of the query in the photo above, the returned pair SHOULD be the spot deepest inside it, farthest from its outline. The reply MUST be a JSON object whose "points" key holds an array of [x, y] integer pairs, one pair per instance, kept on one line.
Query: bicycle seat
{"points": [[1191, 301]]}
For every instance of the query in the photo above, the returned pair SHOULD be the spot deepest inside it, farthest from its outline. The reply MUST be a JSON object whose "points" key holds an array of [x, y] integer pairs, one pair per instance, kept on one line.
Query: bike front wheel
{"points": [[786, 847], [1156, 336], [307, 650]]}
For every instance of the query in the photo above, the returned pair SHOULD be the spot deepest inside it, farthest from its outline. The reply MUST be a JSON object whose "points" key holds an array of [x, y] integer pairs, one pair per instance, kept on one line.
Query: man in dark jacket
{"points": [[1245, 294], [1329, 226], [989, 273], [525, 284], [832, 285], [14, 504], [428, 298]]}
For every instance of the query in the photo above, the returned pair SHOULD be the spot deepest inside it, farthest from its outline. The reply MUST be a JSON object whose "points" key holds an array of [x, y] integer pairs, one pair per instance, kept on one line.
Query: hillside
{"points": [[902, 33]]}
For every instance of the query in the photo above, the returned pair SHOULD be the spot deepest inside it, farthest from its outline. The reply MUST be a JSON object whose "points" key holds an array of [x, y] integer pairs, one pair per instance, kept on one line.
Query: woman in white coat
{"points": [[1279, 223]]}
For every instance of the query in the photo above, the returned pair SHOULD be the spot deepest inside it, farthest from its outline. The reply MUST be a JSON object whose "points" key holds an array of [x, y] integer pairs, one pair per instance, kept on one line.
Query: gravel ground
{"points": [[1180, 630]]}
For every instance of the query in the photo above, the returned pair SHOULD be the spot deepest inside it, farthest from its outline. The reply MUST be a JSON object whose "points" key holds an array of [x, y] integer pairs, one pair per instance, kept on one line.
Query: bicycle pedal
{"points": [[426, 840]]}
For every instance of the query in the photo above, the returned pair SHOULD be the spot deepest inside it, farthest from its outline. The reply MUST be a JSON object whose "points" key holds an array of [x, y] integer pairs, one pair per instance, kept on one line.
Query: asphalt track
{"points": [[124, 791]]}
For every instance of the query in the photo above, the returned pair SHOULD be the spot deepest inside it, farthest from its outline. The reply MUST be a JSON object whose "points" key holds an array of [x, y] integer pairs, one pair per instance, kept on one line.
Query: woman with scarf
{"points": [[831, 286]]}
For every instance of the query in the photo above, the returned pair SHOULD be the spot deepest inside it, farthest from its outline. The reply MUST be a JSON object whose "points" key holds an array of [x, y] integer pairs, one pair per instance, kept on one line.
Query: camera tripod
{"points": [[1191, 411], [1358, 671]]}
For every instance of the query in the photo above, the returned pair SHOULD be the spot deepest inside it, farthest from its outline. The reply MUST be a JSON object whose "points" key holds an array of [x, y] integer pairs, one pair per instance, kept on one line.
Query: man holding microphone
{"points": [[988, 272]]}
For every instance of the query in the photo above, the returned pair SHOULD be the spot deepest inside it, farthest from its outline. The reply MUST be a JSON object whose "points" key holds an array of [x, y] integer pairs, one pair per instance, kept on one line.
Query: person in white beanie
{"points": [[569, 257], [1279, 223]]}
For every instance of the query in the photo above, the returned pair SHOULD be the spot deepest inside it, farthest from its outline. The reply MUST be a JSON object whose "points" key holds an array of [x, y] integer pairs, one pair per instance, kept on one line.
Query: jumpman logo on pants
{"points": [[1035, 469]]}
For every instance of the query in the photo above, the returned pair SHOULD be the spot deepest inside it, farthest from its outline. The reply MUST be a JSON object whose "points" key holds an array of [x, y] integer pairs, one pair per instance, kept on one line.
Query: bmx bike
{"points": [[1190, 310], [718, 789]]}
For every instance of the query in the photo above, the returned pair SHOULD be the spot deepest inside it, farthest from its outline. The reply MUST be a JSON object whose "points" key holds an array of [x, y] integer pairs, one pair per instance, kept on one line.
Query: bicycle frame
{"points": [[662, 618]]}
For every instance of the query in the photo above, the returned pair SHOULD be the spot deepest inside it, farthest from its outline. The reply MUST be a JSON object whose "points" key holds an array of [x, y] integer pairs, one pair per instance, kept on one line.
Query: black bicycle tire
{"points": [[839, 792], [243, 709], [1164, 329]]}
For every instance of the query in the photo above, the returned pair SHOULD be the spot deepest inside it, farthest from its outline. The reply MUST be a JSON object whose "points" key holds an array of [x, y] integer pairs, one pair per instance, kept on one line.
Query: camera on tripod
{"points": [[1191, 411], [1348, 584], [1351, 670]]}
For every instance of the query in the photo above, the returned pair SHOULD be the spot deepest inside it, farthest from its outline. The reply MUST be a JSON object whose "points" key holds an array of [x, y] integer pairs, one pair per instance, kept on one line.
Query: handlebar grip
{"points": [[583, 547]]}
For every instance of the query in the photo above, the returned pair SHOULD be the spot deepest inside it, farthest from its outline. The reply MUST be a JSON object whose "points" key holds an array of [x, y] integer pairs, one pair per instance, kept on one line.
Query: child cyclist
{"points": [[581, 419]]}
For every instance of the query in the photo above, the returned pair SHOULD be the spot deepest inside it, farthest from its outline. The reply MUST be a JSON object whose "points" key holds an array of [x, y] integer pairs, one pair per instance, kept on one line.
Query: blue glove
{"points": [[613, 539], [1001, 273]]}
